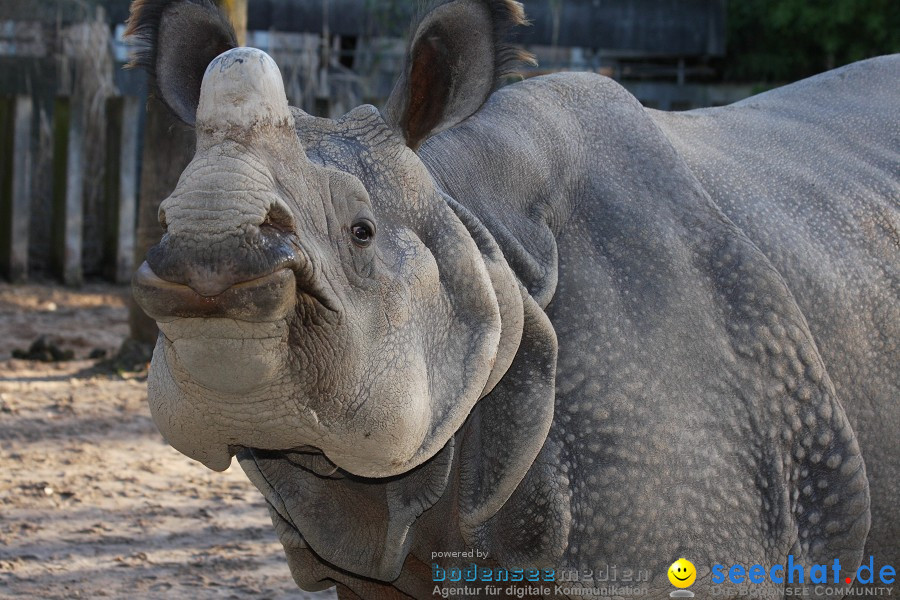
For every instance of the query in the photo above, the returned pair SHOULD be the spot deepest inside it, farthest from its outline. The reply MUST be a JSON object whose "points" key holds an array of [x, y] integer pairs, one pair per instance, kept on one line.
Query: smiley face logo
{"points": [[682, 573]]}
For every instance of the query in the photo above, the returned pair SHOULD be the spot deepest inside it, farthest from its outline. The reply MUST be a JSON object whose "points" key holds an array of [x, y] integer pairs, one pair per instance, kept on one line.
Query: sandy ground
{"points": [[93, 503]]}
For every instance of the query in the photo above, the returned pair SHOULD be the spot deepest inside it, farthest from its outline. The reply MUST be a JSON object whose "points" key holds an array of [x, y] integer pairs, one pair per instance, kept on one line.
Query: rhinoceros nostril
{"points": [[279, 218], [211, 264]]}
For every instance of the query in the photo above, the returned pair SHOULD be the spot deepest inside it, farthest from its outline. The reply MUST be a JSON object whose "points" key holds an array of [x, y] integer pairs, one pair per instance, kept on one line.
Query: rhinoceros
{"points": [[496, 336]]}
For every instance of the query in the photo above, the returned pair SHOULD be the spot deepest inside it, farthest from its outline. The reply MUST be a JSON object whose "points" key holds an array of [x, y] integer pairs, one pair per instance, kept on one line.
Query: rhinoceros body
{"points": [[542, 327]]}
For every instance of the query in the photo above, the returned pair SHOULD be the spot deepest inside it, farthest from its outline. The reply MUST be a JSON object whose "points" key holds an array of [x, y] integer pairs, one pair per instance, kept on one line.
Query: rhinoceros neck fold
{"points": [[524, 204], [331, 514], [506, 288]]}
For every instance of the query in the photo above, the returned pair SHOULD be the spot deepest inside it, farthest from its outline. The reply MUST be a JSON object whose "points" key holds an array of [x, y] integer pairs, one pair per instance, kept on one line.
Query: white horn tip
{"points": [[242, 88]]}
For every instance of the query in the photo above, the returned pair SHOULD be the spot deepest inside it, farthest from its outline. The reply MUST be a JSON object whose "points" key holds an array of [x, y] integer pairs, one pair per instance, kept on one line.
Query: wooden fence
{"points": [[67, 213]]}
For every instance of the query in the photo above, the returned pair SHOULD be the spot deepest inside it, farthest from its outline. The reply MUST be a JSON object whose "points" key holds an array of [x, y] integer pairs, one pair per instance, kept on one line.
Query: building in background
{"points": [[660, 49], [66, 56]]}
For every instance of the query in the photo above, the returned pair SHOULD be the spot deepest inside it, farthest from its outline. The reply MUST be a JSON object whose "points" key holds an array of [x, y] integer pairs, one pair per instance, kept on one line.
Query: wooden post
{"points": [[7, 151], [68, 190], [74, 198], [15, 197], [168, 148], [123, 119], [237, 14], [21, 189], [58, 207]]}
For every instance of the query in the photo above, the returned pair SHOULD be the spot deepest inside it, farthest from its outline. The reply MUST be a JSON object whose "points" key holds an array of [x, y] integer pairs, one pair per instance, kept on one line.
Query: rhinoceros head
{"points": [[314, 288]]}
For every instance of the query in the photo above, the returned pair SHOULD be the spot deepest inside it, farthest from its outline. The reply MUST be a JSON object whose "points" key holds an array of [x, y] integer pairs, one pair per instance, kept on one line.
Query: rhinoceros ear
{"points": [[178, 39], [456, 58]]}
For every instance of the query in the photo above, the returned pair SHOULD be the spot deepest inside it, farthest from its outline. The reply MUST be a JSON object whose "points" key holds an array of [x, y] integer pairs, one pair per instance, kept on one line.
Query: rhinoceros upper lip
{"points": [[266, 298], [182, 278]]}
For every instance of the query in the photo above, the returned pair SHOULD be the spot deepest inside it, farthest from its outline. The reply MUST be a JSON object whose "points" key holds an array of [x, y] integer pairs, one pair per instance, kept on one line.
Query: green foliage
{"points": [[785, 40], [388, 16]]}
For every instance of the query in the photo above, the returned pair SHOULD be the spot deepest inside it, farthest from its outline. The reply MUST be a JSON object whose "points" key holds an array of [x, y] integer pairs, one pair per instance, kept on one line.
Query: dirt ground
{"points": [[93, 503]]}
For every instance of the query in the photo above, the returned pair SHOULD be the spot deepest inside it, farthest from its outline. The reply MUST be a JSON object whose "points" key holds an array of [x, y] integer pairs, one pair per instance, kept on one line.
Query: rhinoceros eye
{"points": [[363, 231]]}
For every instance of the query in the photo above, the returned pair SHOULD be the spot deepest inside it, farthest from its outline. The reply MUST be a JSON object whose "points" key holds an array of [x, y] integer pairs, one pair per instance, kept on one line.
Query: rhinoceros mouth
{"points": [[267, 298]]}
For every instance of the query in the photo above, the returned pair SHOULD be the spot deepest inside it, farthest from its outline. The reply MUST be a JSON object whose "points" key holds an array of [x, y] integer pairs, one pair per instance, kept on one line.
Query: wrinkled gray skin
{"points": [[584, 333]]}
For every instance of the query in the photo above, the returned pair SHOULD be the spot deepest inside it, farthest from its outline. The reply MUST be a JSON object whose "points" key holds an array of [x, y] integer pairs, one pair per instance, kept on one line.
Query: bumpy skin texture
{"points": [[585, 335], [830, 226]]}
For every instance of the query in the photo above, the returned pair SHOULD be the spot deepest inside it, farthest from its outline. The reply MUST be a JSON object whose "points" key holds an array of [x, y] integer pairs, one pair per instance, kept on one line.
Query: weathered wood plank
{"points": [[15, 185], [58, 206], [74, 228], [6, 159], [168, 148], [20, 218], [123, 116], [68, 190]]}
